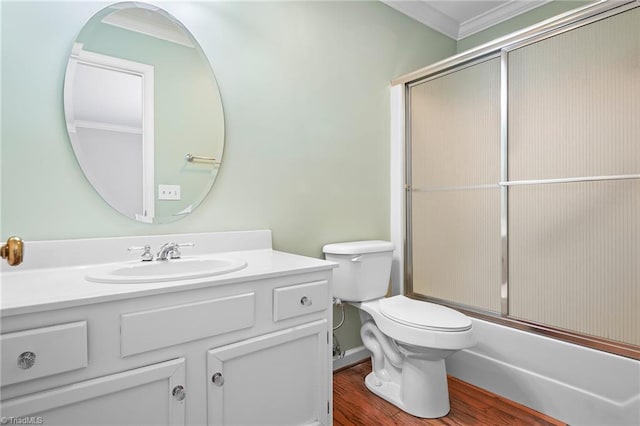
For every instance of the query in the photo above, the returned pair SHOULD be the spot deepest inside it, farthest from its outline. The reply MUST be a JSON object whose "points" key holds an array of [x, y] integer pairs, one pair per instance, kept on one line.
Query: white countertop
{"points": [[37, 289]]}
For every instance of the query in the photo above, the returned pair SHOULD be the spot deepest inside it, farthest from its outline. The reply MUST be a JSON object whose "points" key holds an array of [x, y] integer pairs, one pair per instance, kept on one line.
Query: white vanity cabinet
{"points": [[152, 395], [275, 379], [254, 352], [279, 378]]}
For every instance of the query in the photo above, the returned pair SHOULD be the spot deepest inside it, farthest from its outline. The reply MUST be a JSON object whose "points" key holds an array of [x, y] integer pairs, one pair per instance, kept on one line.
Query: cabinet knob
{"points": [[305, 301], [13, 251], [179, 393], [217, 379], [26, 360]]}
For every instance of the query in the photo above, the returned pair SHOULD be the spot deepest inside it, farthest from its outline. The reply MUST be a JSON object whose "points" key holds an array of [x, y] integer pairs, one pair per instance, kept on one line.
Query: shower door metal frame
{"points": [[501, 48]]}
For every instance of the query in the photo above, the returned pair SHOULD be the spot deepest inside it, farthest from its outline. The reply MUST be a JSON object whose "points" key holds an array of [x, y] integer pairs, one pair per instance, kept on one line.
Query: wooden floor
{"points": [[353, 404]]}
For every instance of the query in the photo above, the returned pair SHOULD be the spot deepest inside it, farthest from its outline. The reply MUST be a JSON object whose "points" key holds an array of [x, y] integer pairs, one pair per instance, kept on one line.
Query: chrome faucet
{"points": [[171, 251], [147, 256]]}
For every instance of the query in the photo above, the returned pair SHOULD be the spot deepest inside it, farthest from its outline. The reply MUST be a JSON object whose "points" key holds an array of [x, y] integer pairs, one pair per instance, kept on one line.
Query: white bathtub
{"points": [[577, 385]]}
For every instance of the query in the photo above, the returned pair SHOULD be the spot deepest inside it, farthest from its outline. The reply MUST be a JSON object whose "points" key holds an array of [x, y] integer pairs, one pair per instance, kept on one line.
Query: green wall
{"points": [[519, 22], [305, 90]]}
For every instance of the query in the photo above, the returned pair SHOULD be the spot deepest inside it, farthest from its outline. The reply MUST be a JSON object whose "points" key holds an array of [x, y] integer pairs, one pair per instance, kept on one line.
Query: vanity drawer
{"points": [[160, 328], [302, 299], [41, 352]]}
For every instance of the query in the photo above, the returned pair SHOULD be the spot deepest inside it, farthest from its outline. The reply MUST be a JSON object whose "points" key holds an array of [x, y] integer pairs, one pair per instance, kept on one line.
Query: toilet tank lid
{"points": [[358, 247]]}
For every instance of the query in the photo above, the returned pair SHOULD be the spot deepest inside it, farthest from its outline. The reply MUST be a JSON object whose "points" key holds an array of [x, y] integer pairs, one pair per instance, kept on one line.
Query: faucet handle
{"points": [[146, 249], [175, 253]]}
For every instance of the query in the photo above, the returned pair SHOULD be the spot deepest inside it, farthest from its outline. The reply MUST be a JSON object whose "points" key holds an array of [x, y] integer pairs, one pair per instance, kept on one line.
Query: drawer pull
{"points": [[179, 393], [301, 299], [217, 379], [26, 360]]}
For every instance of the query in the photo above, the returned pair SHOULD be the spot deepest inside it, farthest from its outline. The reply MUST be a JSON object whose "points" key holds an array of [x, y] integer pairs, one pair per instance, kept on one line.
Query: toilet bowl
{"points": [[408, 339], [408, 352]]}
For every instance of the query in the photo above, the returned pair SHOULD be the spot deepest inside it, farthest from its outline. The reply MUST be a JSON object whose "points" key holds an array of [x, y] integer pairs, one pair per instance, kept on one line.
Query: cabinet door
{"points": [[277, 379], [143, 396]]}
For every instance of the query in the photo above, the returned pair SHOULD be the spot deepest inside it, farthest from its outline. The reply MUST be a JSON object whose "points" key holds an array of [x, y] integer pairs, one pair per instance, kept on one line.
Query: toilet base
{"points": [[423, 391], [389, 391]]}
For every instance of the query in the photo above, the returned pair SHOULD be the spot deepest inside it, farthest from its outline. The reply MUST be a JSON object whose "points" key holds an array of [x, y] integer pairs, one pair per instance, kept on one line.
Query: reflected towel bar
{"points": [[191, 158]]}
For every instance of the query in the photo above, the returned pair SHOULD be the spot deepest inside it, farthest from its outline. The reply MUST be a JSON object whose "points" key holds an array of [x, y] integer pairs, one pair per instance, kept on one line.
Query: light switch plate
{"points": [[168, 192]]}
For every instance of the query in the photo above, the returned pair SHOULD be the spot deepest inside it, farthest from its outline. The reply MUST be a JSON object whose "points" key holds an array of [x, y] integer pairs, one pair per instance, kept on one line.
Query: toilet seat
{"points": [[423, 315], [408, 329]]}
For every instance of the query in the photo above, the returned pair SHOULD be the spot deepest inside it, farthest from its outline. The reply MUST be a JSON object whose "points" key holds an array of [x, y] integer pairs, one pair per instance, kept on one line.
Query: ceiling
{"points": [[461, 18]]}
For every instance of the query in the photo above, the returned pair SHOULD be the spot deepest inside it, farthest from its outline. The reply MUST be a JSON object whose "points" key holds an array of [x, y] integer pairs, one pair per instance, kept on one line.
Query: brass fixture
{"points": [[13, 251]]}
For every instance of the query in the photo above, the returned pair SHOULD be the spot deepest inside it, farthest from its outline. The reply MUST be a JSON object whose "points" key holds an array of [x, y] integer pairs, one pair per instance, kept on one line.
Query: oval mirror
{"points": [[143, 112]]}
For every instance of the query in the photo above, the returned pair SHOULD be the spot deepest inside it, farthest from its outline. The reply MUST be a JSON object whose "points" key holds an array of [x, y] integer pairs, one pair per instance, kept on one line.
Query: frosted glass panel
{"points": [[455, 128], [455, 150], [456, 246], [574, 257], [574, 101], [574, 249]]}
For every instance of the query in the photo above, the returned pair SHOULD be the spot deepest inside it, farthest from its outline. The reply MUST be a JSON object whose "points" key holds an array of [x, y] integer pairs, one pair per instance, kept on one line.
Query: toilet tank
{"points": [[364, 269]]}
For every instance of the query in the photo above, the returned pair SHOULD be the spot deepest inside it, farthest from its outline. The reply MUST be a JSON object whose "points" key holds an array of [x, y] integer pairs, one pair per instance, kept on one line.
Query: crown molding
{"points": [[497, 15], [425, 14]]}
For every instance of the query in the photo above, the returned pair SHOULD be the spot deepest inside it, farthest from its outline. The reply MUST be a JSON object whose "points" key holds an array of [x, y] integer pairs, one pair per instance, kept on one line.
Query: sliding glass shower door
{"points": [[574, 198], [524, 201]]}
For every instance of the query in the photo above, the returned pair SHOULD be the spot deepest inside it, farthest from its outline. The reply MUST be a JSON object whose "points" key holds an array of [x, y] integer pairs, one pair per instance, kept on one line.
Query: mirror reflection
{"points": [[143, 112]]}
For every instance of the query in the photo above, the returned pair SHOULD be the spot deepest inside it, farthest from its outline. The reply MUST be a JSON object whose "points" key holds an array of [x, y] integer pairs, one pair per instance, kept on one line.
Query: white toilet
{"points": [[408, 339]]}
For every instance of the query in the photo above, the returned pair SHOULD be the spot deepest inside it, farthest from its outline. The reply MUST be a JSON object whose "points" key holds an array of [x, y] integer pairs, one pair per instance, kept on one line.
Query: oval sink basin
{"points": [[169, 270]]}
